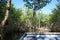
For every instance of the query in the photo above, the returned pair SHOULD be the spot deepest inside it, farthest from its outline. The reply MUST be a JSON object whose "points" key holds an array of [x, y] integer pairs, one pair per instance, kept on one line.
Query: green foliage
{"points": [[20, 21], [2, 9], [36, 4], [43, 18], [56, 14], [55, 18]]}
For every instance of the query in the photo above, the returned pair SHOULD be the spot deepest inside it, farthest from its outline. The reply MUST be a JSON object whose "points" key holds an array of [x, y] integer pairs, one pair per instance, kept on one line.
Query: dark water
{"points": [[12, 36]]}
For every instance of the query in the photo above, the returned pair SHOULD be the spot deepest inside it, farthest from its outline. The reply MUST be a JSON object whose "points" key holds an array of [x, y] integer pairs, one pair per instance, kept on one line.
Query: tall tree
{"points": [[55, 18], [36, 4], [7, 12], [5, 3]]}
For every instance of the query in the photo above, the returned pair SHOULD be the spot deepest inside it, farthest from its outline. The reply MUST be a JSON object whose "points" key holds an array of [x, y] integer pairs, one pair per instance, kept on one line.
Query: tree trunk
{"points": [[34, 13], [6, 17], [6, 14]]}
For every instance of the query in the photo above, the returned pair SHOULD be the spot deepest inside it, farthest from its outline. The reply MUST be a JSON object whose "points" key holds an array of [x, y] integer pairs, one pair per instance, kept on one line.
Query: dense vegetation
{"points": [[21, 21]]}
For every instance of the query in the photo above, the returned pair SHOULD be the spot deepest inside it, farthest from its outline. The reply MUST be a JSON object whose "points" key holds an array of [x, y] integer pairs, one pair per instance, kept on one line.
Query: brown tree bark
{"points": [[6, 14], [5, 17]]}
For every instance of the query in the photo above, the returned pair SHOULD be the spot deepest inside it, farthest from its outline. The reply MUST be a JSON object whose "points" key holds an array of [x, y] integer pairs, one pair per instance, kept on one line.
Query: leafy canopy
{"points": [[2, 9], [36, 4]]}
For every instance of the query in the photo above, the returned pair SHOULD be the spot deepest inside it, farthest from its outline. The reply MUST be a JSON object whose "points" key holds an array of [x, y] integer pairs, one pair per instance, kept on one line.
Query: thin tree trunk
{"points": [[34, 13], [39, 22]]}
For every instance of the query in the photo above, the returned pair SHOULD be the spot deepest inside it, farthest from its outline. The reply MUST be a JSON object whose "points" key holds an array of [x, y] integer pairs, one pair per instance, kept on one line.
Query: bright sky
{"points": [[47, 9]]}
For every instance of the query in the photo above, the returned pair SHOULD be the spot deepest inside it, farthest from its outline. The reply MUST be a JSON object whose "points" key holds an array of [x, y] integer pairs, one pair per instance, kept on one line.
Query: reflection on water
{"points": [[40, 37], [16, 36]]}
